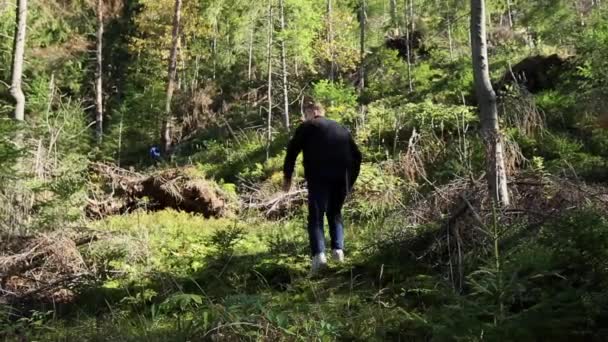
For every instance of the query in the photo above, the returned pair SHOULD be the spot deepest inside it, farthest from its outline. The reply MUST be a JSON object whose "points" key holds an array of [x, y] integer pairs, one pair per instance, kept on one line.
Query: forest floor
{"points": [[173, 276], [444, 267]]}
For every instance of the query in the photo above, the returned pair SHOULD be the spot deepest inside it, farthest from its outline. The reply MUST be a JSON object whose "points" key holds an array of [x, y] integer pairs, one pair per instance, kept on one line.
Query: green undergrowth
{"points": [[172, 276]]}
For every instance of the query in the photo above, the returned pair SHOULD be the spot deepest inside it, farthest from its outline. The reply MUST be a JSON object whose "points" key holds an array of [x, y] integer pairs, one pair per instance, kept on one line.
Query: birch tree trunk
{"points": [[197, 60], [18, 53], [509, 14], [408, 23], [412, 22], [250, 61], [410, 81], [269, 52], [330, 40], [449, 20], [215, 34], [361, 85], [250, 69], [495, 164], [167, 135], [98, 75], [284, 66], [394, 20]]}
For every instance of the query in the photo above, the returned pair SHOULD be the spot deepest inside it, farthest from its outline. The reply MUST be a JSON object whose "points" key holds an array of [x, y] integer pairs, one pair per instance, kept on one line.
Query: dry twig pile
{"points": [[44, 268]]}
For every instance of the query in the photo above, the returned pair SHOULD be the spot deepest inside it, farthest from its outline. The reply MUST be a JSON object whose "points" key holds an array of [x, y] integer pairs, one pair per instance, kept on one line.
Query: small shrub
{"points": [[224, 240], [376, 193]]}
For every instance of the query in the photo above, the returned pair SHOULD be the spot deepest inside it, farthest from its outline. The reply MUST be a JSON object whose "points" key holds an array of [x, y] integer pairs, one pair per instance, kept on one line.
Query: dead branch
{"points": [[279, 203], [35, 256], [43, 267]]}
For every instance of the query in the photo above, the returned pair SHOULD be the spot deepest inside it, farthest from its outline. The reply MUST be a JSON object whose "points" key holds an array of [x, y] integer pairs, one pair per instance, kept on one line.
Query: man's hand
{"points": [[286, 184]]}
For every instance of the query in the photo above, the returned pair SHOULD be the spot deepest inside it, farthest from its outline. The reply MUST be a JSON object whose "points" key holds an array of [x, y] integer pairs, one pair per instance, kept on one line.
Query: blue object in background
{"points": [[155, 153]]}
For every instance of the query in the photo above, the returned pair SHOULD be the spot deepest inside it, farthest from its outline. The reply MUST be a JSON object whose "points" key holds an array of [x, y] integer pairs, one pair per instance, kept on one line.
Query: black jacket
{"points": [[330, 153]]}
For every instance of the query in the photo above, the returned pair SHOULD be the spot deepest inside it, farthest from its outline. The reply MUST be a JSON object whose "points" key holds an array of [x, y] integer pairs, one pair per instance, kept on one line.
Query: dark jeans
{"points": [[325, 198]]}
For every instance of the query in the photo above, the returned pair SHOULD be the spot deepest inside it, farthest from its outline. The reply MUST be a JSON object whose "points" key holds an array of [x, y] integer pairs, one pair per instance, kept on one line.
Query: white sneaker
{"points": [[338, 255], [319, 262]]}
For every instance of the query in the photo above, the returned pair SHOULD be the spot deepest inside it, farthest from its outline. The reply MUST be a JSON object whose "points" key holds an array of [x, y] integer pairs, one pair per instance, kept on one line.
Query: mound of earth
{"points": [[535, 73], [177, 188]]}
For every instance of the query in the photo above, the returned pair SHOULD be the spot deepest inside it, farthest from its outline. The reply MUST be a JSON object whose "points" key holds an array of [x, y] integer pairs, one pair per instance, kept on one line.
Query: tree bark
{"points": [[167, 136], [486, 97], [196, 72], [394, 20], [269, 52], [361, 85], [98, 75], [449, 20], [408, 19], [412, 22], [250, 61], [215, 33], [330, 40], [284, 66], [509, 14], [362, 22], [18, 55]]}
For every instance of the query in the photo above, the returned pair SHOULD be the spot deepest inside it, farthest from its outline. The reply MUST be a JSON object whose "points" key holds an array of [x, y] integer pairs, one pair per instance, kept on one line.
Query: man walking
{"points": [[331, 166]]}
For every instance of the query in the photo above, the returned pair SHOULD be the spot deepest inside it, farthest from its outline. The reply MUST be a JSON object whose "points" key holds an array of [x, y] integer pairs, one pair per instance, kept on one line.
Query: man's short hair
{"points": [[315, 107]]}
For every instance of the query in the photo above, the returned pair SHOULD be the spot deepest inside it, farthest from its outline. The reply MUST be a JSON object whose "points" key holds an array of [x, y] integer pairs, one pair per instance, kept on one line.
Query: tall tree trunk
{"points": [[449, 20], [509, 14], [18, 52], [361, 86], [408, 19], [197, 60], [269, 52], [167, 136], [180, 57], [295, 66], [98, 75], [284, 66], [412, 22], [215, 33], [330, 40], [495, 163], [394, 20], [249, 68], [250, 62], [362, 22], [409, 59]]}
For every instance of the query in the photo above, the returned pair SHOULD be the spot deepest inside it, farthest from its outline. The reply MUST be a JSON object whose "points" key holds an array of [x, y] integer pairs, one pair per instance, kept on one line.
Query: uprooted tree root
{"points": [[42, 268], [176, 188], [466, 216]]}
